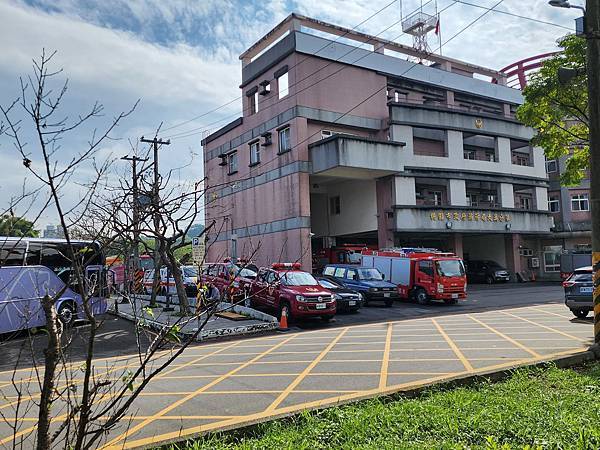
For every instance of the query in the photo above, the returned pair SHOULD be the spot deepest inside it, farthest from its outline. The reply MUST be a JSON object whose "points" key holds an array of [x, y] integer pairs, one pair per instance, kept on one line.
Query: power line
{"points": [[488, 10], [544, 22], [295, 65]]}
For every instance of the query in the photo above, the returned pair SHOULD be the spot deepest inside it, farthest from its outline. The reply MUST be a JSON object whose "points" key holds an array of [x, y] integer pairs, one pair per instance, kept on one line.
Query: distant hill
{"points": [[195, 230]]}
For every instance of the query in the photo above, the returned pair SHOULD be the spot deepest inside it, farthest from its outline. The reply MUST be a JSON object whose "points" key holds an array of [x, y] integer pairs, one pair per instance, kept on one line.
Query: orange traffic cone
{"points": [[283, 325]]}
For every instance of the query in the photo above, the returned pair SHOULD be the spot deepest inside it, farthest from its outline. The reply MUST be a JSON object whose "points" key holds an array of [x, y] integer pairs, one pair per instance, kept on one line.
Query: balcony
{"points": [[346, 156]]}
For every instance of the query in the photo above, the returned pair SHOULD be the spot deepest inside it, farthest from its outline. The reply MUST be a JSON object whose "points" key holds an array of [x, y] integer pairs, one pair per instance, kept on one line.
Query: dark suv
{"points": [[486, 271], [579, 292]]}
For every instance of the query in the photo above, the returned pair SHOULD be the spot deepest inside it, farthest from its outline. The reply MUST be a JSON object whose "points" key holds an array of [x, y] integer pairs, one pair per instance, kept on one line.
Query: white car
{"points": [[167, 282]]}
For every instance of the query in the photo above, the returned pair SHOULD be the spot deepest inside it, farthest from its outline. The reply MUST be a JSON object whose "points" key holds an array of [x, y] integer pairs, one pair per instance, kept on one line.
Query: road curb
{"points": [[566, 361]]}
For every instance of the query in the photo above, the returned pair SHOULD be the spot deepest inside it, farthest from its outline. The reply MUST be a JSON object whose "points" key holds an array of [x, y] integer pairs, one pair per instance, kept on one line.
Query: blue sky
{"points": [[180, 58]]}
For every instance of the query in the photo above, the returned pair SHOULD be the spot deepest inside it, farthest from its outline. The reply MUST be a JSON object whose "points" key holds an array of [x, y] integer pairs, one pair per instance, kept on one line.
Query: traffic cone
{"points": [[283, 325]]}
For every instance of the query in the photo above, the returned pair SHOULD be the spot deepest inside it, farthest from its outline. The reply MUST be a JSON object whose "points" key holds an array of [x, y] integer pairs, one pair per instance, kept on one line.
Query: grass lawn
{"points": [[533, 409]]}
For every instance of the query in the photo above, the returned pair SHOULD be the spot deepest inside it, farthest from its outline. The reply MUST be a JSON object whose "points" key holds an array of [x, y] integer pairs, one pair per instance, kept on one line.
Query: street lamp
{"points": [[564, 4]]}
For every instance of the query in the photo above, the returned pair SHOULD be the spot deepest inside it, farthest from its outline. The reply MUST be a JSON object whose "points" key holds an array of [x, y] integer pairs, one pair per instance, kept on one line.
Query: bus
{"points": [[31, 268]]}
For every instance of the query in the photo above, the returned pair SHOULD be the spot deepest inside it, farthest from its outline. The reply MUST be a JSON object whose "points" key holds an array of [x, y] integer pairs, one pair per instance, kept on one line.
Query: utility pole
{"points": [[136, 213], [156, 203], [592, 28]]}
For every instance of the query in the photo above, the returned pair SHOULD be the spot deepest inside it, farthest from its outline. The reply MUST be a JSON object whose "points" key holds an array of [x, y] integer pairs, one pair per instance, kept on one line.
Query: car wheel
{"points": [[288, 311], [580, 313], [421, 296], [389, 303], [489, 279], [66, 314]]}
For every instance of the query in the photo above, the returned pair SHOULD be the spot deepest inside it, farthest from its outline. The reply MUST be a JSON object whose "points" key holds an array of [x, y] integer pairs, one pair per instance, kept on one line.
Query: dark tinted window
{"points": [[426, 267], [12, 253]]}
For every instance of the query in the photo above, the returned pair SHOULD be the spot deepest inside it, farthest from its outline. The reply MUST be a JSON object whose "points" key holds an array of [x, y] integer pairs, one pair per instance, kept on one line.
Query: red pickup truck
{"points": [[284, 286]]}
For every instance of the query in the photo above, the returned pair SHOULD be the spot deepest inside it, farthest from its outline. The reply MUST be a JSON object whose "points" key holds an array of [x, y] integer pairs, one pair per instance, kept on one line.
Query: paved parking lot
{"points": [[228, 384]]}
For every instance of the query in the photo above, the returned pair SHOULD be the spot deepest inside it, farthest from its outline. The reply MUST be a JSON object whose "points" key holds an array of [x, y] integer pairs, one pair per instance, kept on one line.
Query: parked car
{"points": [[167, 282], [228, 277], [579, 292], [346, 299], [285, 287], [366, 280], [486, 271]]}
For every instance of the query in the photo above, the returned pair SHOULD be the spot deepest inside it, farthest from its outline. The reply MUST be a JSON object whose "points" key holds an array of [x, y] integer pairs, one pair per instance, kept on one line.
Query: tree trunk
{"points": [[184, 305], [51, 358]]}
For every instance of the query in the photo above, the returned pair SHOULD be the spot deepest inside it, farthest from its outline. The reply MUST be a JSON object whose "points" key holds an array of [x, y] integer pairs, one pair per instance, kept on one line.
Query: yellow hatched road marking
{"points": [[306, 371], [504, 336], [181, 401], [570, 336], [551, 313], [453, 346], [386, 357]]}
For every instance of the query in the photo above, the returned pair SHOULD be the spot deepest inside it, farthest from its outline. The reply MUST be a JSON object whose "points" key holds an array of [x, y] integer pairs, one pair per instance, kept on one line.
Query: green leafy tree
{"points": [[559, 112], [16, 226]]}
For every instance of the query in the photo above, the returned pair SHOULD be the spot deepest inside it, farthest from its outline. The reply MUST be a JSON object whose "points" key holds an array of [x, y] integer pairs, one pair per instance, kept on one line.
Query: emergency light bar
{"points": [[294, 266]]}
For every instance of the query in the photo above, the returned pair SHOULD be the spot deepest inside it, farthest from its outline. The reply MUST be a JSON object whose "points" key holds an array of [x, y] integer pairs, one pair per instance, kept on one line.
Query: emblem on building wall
{"points": [[479, 123]]}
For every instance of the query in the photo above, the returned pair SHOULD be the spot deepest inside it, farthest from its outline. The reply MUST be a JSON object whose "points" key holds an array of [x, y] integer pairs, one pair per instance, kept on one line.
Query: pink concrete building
{"points": [[341, 144]]}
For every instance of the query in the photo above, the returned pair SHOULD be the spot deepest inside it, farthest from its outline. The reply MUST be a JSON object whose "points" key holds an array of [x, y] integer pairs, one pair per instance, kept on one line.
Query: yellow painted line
{"points": [[181, 401], [453, 346], [180, 433], [306, 371], [570, 336], [130, 418], [552, 313], [504, 336], [386, 357]]}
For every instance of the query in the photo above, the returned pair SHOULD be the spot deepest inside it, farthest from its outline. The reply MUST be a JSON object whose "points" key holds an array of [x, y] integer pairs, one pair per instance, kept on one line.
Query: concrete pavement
{"points": [[223, 385]]}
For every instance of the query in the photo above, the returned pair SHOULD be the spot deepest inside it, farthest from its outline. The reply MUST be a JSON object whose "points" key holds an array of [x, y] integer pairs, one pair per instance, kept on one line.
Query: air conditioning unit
{"points": [[534, 263], [527, 252]]}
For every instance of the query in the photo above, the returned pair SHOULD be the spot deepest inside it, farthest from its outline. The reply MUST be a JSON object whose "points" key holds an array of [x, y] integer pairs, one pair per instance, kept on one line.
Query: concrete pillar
{"points": [[403, 133], [454, 145], [541, 198], [539, 161], [513, 259], [456, 244], [457, 192], [507, 195], [385, 212], [503, 151], [404, 191]]}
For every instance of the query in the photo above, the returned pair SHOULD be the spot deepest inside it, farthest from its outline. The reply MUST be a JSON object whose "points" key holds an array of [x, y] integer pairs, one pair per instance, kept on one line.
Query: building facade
{"points": [[346, 145]]}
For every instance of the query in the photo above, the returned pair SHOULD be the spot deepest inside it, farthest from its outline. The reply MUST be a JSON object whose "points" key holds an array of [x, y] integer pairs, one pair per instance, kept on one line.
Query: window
{"points": [[232, 162], [426, 267], [339, 272], [254, 153], [552, 261], [551, 166], [521, 160], [554, 204], [580, 202], [284, 140], [352, 274], [472, 200], [255, 96], [329, 271], [525, 203], [282, 84], [469, 154], [253, 103], [334, 206], [437, 198]]}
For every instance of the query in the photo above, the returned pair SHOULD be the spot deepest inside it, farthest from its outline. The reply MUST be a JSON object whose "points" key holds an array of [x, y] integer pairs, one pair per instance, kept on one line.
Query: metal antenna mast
{"points": [[419, 24]]}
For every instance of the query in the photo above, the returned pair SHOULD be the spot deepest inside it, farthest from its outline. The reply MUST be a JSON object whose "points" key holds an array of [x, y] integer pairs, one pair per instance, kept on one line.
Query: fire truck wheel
{"points": [[421, 296]]}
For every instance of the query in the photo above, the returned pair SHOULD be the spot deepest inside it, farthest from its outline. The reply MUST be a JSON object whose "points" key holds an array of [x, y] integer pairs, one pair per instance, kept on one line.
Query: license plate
{"points": [[454, 295], [352, 303], [387, 294], [586, 290], [321, 305]]}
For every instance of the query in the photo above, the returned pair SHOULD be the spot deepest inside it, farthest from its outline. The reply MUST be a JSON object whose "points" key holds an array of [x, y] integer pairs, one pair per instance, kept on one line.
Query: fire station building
{"points": [[348, 138]]}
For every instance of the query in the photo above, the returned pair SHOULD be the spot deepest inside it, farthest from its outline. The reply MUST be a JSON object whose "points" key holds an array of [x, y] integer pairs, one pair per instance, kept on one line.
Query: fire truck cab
{"points": [[421, 275]]}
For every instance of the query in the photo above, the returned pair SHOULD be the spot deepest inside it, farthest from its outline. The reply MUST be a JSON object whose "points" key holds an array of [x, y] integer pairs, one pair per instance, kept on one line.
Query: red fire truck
{"points": [[421, 274], [341, 254]]}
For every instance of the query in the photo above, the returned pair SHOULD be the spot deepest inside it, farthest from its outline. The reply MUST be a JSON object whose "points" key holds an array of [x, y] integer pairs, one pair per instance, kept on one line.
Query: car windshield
{"points": [[190, 271], [328, 284], [298, 279], [494, 265], [242, 271], [370, 274], [582, 277], [450, 268]]}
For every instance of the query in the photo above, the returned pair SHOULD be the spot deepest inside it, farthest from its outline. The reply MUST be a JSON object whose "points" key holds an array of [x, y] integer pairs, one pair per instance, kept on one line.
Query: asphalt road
{"points": [[116, 336]]}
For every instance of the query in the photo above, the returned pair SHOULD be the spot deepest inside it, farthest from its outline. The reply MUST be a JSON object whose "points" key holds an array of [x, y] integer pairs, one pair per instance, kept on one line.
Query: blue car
{"points": [[368, 281]]}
